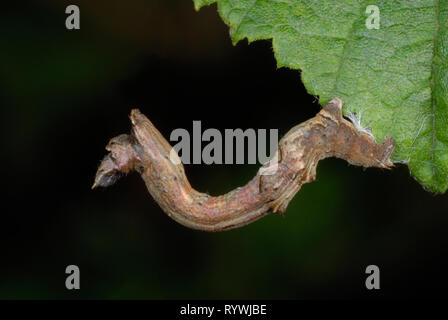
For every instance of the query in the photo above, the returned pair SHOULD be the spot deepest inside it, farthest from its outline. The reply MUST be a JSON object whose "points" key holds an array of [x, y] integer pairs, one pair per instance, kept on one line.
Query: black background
{"points": [[63, 94]]}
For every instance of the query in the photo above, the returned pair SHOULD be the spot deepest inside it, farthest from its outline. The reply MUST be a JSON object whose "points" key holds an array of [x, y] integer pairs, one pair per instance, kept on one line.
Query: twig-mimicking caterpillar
{"points": [[327, 134]]}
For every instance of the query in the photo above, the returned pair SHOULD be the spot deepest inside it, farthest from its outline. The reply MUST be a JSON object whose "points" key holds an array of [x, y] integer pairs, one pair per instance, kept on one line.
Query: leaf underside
{"points": [[395, 77]]}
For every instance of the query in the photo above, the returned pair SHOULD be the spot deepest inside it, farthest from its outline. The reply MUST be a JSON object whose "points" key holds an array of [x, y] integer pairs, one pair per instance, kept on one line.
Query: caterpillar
{"points": [[147, 152]]}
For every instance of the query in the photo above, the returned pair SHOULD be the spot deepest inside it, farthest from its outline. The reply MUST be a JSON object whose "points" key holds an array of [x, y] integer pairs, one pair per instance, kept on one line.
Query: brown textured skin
{"points": [[328, 134]]}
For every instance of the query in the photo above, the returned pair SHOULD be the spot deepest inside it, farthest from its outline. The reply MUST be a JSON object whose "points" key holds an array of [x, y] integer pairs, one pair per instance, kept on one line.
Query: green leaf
{"points": [[394, 77]]}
